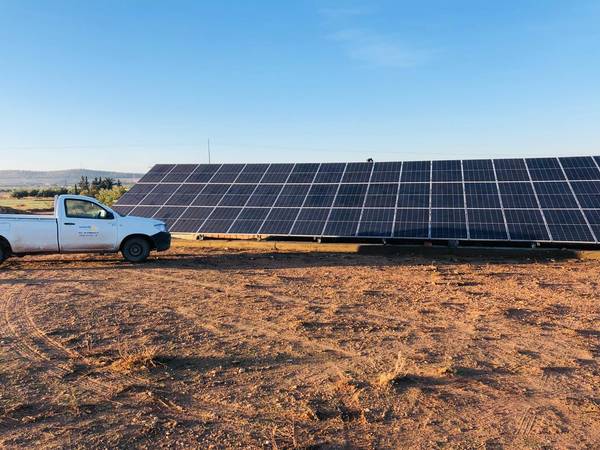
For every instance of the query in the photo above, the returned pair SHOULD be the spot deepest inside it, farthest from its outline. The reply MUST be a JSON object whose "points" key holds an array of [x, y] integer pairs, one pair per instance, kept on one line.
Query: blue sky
{"points": [[125, 84]]}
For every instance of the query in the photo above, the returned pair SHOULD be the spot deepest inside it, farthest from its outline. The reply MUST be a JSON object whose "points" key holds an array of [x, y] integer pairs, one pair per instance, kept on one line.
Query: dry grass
{"points": [[400, 371], [27, 204], [135, 360]]}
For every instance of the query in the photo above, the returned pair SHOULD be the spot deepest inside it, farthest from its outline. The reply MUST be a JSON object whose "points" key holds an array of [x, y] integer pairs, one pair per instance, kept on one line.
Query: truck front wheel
{"points": [[136, 250]]}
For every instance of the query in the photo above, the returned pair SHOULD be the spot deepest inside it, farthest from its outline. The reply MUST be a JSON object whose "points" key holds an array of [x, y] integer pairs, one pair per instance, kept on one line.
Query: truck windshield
{"points": [[82, 209]]}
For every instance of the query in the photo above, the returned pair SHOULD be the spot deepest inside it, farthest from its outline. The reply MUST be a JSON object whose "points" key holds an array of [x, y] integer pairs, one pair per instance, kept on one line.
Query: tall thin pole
{"points": [[209, 151]]}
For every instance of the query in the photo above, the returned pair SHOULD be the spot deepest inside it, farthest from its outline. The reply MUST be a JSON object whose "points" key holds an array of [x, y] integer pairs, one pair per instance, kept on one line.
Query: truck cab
{"points": [[82, 225]]}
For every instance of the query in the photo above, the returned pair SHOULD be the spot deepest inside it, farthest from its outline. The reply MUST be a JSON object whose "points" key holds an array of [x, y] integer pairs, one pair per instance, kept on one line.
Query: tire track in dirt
{"points": [[254, 324], [35, 346], [527, 421], [31, 343]]}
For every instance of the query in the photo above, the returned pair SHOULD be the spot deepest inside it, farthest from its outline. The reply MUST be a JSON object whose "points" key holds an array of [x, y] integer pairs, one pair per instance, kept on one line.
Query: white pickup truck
{"points": [[81, 225]]}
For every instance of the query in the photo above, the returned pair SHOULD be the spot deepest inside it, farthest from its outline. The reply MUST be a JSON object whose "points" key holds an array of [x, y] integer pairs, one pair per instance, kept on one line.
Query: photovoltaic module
{"points": [[525, 200]]}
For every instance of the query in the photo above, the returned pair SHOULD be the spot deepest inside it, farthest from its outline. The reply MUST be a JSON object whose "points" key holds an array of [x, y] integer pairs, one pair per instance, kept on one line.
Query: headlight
{"points": [[160, 227]]}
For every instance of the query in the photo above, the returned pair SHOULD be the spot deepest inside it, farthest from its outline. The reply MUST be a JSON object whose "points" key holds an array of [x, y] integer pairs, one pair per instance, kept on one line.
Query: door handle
{"points": [[69, 223]]}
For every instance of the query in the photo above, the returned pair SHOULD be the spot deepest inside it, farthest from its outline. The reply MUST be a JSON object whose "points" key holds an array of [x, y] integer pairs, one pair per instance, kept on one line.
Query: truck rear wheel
{"points": [[3, 253], [136, 250]]}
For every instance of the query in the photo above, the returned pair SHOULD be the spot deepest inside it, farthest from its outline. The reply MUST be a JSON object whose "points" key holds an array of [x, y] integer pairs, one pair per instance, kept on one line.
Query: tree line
{"points": [[107, 190]]}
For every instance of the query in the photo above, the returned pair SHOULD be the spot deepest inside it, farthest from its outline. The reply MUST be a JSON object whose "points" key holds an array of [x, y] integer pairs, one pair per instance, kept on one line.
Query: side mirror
{"points": [[105, 215]]}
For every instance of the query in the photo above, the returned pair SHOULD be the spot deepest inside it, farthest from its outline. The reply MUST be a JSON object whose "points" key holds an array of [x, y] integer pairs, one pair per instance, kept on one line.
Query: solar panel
{"points": [[542, 169], [521, 200], [478, 170], [580, 168], [377, 222]]}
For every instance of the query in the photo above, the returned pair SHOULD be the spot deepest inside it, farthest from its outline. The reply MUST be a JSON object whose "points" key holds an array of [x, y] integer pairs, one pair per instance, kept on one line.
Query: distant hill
{"points": [[25, 178]]}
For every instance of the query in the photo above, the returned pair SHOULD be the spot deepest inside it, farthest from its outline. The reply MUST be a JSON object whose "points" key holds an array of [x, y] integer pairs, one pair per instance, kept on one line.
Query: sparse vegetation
{"points": [[135, 359], [39, 193], [400, 371], [110, 196]]}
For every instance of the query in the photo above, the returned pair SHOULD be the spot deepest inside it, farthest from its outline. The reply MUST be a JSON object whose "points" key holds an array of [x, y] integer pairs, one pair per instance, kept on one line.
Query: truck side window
{"points": [[81, 209]]}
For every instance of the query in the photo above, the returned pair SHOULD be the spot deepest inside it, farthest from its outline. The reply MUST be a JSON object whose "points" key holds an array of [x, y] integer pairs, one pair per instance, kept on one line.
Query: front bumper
{"points": [[161, 241]]}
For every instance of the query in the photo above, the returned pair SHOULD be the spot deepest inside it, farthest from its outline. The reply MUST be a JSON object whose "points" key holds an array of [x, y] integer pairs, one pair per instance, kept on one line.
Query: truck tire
{"points": [[3, 253], [136, 250]]}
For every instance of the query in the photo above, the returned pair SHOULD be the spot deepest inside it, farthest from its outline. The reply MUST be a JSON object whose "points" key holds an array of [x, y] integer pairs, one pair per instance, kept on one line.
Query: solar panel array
{"points": [[533, 200]]}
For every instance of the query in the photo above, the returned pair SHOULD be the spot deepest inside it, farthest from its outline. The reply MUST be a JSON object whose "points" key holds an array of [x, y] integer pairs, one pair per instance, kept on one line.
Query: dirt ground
{"points": [[255, 349]]}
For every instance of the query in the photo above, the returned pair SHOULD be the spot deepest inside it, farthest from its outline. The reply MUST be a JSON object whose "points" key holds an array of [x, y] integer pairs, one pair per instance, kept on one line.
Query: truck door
{"points": [[86, 226]]}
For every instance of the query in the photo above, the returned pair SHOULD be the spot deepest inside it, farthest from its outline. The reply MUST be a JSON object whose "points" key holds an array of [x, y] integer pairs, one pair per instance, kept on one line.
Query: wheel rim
{"points": [[135, 250]]}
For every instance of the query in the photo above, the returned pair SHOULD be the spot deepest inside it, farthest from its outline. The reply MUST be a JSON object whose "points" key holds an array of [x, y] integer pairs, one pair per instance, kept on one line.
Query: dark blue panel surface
{"points": [[185, 195], [203, 173], [136, 194], [555, 195], [357, 173], [252, 173], [486, 224], [412, 223], [144, 211], [413, 195], [342, 222], [228, 173], [580, 168], [169, 214], [526, 225], [416, 172], [545, 169], [511, 170], [265, 195], [211, 195], [277, 173], [386, 172], [219, 220], [448, 224], [568, 225], [292, 195], [540, 197], [446, 171], [303, 173], [192, 218], [321, 195], [279, 221], [351, 195], [123, 210], [180, 173], [311, 222], [518, 195], [249, 221], [377, 222], [187, 225], [160, 194], [157, 173], [142, 188], [478, 170], [593, 217], [482, 195], [330, 173], [447, 195], [588, 193], [382, 195], [197, 213], [237, 195]]}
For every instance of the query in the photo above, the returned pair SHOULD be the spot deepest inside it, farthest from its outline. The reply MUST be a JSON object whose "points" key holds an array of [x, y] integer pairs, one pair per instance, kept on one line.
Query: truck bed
{"points": [[25, 216], [30, 233]]}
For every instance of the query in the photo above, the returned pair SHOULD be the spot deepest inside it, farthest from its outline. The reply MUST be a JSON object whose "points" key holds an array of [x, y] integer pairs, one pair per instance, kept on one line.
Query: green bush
{"points": [[110, 196], [41, 193]]}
